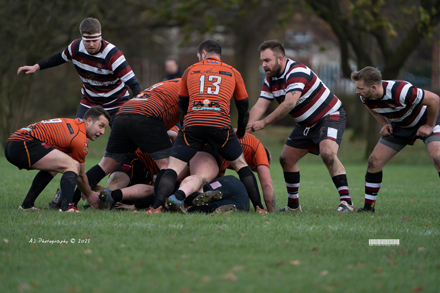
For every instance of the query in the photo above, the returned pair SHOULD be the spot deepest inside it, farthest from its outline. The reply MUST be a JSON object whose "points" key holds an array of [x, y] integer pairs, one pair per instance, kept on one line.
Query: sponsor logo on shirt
{"points": [[206, 105]]}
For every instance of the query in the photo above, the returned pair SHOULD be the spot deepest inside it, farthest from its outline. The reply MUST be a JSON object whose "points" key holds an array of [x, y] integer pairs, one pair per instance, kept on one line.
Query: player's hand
{"points": [[255, 126], [28, 69], [386, 130], [123, 206], [424, 130], [93, 200], [260, 210]]}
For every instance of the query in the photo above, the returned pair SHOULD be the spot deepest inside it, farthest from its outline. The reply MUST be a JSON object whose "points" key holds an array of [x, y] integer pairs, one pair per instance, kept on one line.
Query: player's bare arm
{"points": [[430, 100], [386, 129], [281, 111], [83, 184], [256, 112], [267, 187], [28, 69]]}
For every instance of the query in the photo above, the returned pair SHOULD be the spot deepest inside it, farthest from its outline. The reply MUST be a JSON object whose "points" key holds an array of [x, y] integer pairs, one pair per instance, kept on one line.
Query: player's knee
{"points": [[436, 162], [74, 166], [328, 158], [283, 160], [372, 162]]}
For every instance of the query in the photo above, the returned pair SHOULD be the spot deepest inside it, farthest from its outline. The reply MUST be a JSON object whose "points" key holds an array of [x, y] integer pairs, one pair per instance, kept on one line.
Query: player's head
{"points": [[171, 66], [96, 120], [208, 48], [368, 82], [90, 30], [273, 58]]}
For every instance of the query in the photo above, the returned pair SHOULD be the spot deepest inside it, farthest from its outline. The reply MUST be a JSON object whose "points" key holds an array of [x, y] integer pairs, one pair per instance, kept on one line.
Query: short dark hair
{"points": [[95, 112], [269, 156], [369, 75], [90, 26], [274, 45], [210, 46]]}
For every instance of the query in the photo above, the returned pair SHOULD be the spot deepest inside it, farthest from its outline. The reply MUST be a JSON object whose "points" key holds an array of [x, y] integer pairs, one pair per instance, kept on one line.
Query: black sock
{"points": [[145, 203], [180, 195], [191, 197], [157, 181], [292, 184], [67, 186], [38, 184], [117, 195], [247, 177], [341, 184], [373, 182], [94, 175], [165, 188]]}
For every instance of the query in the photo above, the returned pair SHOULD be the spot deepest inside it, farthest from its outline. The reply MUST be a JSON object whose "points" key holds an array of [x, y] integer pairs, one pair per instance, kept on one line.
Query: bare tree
{"points": [[30, 31], [378, 33]]}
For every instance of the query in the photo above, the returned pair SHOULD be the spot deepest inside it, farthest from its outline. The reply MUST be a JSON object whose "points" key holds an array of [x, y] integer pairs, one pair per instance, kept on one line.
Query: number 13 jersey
{"points": [[210, 84]]}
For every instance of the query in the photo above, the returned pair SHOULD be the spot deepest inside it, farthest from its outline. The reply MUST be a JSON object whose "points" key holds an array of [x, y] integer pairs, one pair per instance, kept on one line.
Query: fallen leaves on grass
{"points": [[206, 279], [377, 271], [5, 240], [323, 273], [295, 262], [421, 248], [238, 268], [230, 277], [24, 286], [88, 251], [280, 262], [404, 219], [417, 289]]}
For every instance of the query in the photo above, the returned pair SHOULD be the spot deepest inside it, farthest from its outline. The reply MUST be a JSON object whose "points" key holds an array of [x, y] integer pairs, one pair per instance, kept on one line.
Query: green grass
{"points": [[317, 250]]}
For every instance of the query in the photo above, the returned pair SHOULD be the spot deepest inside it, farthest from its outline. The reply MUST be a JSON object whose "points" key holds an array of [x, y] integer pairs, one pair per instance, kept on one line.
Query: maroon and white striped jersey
{"points": [[104, 74], [401, 103], [316, 100]]}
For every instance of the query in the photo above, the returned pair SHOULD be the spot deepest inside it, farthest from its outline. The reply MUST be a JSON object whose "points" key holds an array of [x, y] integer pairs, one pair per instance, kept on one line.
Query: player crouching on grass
{"points": [[57, 146]]}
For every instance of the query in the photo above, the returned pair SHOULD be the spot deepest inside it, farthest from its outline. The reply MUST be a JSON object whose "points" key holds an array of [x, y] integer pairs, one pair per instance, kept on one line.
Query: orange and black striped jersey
{"points": [[210, 84], [66, 135], [147, 162], [160, 100], [253, 151]]}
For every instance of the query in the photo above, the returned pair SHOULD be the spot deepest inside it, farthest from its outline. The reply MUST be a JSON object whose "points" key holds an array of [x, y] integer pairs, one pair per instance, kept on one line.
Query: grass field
{"points": [[317, 250]]}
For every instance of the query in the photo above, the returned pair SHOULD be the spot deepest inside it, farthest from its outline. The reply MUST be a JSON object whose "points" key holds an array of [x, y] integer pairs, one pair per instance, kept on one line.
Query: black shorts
{"points": [[193, 139], [403, 136], [24, 154], [133, 167], [329, 127], [131, 131], [233, 191]]}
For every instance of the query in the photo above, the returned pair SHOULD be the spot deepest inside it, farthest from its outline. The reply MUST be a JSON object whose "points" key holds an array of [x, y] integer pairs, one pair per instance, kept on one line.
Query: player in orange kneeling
{"points": [[57, 146], [258, 158]]}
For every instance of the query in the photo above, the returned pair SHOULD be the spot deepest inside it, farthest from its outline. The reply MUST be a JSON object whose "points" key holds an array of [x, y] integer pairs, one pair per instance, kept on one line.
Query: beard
{"points": [[275, 71], [368, 95]]}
